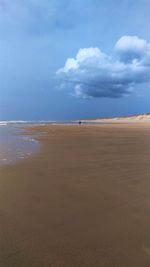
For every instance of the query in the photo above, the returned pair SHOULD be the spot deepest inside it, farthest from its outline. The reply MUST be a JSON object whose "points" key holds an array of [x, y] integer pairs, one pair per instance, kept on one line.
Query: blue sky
{"points": [[107, 41]]}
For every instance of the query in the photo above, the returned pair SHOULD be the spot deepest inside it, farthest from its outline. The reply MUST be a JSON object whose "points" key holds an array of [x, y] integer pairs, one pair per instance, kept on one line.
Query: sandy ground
{"points": [[83, 200]]}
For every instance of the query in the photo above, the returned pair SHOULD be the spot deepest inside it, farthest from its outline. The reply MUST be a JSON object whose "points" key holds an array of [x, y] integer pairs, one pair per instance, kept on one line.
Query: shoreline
{"points": [[15, 144], [82, 200]]}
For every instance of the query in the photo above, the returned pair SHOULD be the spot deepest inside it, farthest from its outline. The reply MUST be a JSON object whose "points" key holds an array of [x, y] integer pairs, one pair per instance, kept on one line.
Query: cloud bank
{"points": [[93, 73]]}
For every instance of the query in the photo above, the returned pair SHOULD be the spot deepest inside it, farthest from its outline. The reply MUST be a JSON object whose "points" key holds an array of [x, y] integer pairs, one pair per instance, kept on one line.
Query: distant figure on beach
{"points": [[80, 122]]}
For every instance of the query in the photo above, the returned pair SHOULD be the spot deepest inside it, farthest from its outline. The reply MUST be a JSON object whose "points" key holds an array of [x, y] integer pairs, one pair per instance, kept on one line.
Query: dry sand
{"points": [[124, 119], [82, 201]]}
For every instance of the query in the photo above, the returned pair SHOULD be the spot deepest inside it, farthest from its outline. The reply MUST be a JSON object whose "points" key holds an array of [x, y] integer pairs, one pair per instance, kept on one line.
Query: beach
{"points": [[14, 145], [82, 200]]}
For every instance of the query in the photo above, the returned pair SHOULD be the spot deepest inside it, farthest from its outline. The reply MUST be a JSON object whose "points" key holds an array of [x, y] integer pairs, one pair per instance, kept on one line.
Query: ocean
{"points": [[15, 144]]}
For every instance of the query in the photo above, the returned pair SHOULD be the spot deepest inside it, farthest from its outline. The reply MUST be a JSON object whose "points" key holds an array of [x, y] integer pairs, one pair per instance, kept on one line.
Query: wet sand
{"points": [[83, 200]]}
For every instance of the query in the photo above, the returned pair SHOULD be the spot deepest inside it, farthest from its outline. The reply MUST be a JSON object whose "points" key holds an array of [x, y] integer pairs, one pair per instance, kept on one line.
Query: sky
{"points": [[74, 59]]}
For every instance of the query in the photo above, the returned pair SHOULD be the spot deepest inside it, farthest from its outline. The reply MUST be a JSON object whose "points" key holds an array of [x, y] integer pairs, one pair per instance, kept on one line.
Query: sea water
{"points": [[15, 144]]}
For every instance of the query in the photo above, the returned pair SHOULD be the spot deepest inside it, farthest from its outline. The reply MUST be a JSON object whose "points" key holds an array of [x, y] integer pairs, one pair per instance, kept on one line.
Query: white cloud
{"points": [[131, 48], [93, 73]]}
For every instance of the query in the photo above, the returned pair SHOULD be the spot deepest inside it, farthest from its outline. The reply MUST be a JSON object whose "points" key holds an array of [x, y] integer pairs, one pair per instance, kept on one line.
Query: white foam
{"points": [[14, 145], [3, 123]]}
